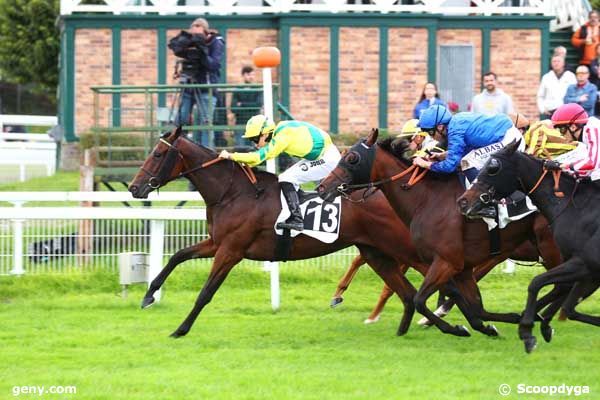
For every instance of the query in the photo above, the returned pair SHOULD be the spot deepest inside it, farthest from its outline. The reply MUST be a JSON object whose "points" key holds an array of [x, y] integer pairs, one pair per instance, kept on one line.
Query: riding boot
{"points": [[295, 221]]}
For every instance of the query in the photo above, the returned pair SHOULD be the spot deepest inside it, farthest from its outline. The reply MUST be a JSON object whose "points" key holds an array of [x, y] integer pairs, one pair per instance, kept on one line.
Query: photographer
{"points": [[201, 51]]}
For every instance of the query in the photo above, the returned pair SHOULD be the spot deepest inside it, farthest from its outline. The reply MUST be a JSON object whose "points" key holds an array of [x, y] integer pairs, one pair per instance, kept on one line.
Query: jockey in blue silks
{"points": [[471, 138]]}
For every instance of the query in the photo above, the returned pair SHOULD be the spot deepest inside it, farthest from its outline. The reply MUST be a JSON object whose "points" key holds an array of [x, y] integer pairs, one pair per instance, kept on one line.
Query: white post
{"points": [[157, 241], [273, 267], [17, 244], [22, 172]]}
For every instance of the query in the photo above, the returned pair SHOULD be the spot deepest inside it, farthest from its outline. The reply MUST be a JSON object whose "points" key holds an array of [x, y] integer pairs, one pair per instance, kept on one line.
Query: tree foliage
{"points": [[29, 42]]}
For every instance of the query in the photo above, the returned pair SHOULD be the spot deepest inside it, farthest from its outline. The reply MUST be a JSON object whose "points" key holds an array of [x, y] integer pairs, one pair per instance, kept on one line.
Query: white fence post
{"points": [[17, 244], [157, 242]]}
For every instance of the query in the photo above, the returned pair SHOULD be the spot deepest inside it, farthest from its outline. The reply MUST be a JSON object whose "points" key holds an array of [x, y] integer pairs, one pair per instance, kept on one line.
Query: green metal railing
{"points": [[122, 143]]}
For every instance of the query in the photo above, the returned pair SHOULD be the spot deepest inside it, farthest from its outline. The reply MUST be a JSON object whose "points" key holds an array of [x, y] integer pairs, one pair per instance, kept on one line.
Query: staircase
{"points": [[563, 38]]}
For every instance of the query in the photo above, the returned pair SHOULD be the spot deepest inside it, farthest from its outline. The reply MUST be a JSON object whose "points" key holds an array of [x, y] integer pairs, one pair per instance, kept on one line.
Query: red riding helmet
{"points": [[568, 114]]}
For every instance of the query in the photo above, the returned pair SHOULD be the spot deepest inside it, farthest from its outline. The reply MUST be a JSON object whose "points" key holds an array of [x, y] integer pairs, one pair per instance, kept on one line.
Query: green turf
{"points": [[76, 330]]}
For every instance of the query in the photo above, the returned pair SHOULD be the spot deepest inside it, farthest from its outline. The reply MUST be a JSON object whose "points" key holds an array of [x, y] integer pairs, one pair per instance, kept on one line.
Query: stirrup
{"points": [[291, 225]]}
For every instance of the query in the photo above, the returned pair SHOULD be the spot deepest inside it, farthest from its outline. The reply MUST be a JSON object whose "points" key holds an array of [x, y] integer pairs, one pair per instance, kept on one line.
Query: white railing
{"points": [[568, 13], [25, 149], [65, 238], [224, 7]]}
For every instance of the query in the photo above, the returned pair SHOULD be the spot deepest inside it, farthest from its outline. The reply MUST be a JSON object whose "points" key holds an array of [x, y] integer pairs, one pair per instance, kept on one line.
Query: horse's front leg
{"points": [[570, 271], [347, 278], [385, 295], [204, 249], [438, 275], [225, 260]]}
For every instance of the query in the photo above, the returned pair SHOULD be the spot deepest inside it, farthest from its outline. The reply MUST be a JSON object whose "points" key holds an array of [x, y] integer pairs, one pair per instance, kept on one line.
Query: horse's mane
{"points": [[397, 147]]}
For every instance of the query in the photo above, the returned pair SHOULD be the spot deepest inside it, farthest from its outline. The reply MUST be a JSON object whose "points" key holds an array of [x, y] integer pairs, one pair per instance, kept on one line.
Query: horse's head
{"points": [[163, 164], [354, 168], [497, 179]]}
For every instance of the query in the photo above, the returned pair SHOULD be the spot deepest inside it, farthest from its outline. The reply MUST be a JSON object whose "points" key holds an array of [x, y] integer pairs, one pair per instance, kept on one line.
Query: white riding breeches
{"points": [[310, 171]]}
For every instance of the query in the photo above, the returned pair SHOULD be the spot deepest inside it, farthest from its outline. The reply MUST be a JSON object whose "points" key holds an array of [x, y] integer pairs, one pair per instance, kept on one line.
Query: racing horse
{"points": [[241, 223], [572, 209], [452, 245]]}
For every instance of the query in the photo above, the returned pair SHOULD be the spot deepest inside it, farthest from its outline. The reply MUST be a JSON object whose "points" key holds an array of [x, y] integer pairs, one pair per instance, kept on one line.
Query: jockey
{"points": [[299, 139], [465, 133], [574, 123], [420, 142]]}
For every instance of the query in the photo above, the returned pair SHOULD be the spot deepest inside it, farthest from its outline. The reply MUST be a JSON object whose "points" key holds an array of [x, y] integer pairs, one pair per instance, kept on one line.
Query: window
{"points": [[456, 74]]}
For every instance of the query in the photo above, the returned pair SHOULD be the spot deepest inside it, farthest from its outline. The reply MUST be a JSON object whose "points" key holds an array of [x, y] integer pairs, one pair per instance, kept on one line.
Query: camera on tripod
{"points": [[192, 49]]}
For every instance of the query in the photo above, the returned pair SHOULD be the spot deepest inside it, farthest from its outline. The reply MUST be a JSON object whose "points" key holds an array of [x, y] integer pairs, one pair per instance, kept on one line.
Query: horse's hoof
{"points": [[491, 330], [424, 322], [547, 332], [336, 301], [461, 330], [530, 344], [178, 333], [371, 320], [147, 302]]}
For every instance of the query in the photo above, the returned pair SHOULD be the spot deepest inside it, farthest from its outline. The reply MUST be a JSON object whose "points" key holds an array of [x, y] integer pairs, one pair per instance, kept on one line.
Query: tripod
{"points": [[185, 100]]}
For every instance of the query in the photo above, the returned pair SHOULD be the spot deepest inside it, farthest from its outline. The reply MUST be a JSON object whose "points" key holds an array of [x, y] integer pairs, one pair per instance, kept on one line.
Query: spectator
{"points": [[429, 97], [491, 100], [553, 87], [594, 72], [201, 64], [562, 51], [587, 37], [245, 104], [583, 92]]}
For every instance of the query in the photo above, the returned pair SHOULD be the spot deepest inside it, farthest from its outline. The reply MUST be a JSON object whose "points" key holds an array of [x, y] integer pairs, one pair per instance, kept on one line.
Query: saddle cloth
{"points": [[508, 213], [321, 220]]}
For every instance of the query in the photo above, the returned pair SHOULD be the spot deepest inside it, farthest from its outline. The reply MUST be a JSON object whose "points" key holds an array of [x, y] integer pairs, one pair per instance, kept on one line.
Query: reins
{"points": [[556, 176], [246, 169], [415, 178]]}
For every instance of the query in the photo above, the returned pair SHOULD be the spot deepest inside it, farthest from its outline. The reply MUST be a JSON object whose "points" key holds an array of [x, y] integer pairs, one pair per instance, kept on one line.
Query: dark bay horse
{"points": [[570, 205], [240, 224], [452, 245]]}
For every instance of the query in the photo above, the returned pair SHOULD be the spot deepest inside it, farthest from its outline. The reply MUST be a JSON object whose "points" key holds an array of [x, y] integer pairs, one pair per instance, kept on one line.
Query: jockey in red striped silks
{"points": [[571, 119]]}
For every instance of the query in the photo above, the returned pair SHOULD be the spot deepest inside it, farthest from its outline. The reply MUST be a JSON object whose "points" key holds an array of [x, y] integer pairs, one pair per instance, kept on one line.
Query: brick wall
{"points": [[138, 67], [407, 73], [309, 75], [515, 58], [359, 80], [464, 36], [93, 66]]}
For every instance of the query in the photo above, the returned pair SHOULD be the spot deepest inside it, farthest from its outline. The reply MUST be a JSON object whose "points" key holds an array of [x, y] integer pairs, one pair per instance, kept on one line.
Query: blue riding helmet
{"points": [[434, 116]]}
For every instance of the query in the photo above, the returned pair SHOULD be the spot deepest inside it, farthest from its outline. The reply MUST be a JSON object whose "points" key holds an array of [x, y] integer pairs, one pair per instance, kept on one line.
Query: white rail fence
{"points": [[70, 238], [567, 13], [25, 149]]}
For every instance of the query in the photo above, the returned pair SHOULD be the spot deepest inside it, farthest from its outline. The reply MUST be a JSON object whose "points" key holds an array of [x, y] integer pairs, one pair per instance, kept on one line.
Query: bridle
{"points": [[344, 188]]}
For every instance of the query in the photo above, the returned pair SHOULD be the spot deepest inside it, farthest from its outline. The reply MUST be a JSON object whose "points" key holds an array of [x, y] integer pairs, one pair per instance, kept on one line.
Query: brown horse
{"points": [[452, 245], [240, 223]]}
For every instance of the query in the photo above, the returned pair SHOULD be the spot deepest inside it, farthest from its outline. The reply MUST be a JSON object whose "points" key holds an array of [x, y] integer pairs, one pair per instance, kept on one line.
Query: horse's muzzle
{"points": [[137, 193]]}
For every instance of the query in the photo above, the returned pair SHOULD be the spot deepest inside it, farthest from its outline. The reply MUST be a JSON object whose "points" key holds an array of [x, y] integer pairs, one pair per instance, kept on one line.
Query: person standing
{"points": [[553, 87], [429, 97], [583, 92], [492, 100], [245, 104], [587, 37]]}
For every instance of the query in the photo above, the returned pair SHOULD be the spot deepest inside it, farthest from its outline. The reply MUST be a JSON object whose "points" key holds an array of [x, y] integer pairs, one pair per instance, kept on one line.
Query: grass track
{"points": [[76, 330]]}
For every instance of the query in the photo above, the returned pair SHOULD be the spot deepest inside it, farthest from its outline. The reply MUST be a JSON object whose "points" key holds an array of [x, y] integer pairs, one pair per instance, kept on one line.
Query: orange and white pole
{"points": [[267, 58]]}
